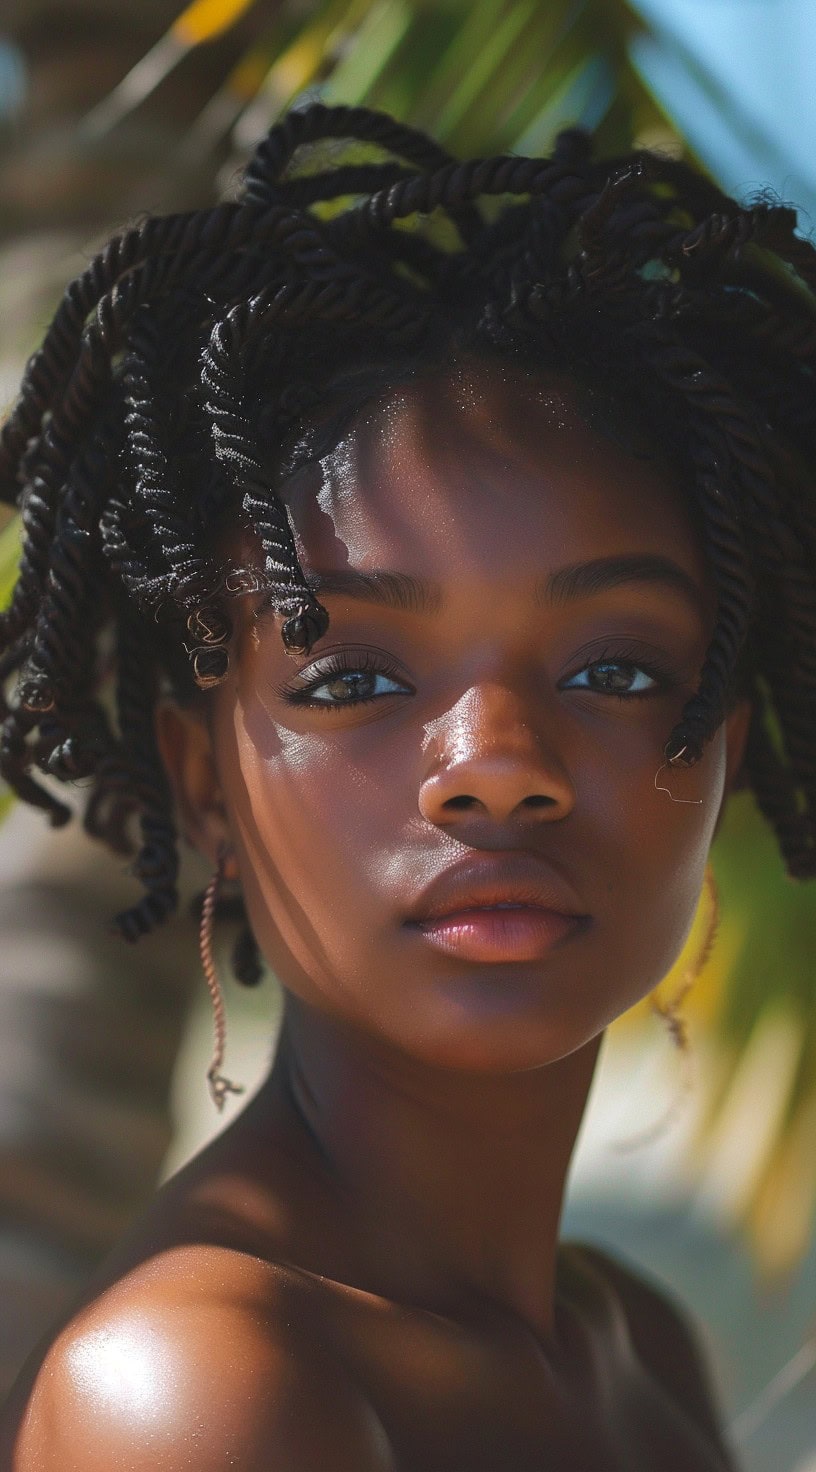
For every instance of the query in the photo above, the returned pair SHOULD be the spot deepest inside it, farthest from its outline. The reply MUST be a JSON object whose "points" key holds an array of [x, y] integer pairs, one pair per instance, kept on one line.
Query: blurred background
{"points": [[699, 1167]]}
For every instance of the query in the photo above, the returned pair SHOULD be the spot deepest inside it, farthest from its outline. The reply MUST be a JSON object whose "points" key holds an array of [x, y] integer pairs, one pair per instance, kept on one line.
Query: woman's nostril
{"points": [[496, 804]]}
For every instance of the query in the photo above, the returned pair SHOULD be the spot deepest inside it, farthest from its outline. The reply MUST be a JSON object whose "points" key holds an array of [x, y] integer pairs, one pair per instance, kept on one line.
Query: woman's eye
{"points": [[613, 677], [351, 686]]}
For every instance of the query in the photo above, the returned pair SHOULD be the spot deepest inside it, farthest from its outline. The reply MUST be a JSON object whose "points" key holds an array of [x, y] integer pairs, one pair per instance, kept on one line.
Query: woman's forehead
{"points": [[485, 469]]}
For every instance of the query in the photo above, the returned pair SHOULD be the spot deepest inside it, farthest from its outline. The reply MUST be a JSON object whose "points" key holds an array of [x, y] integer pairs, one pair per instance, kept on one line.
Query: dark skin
{"points": [[363, 1273]]}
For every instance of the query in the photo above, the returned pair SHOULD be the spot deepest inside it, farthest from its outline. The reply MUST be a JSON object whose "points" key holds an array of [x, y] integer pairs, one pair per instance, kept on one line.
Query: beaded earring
{"points": [[676, 1024], [219, 1085], [670, 1011]]}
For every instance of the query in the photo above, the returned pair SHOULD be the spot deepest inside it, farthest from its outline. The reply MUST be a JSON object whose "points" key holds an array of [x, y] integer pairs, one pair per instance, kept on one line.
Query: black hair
{"points": [[196, 346]]}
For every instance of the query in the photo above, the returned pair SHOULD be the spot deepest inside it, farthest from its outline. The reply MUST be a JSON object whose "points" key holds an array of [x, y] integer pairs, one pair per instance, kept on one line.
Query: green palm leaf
{"points": [[9, 558]]}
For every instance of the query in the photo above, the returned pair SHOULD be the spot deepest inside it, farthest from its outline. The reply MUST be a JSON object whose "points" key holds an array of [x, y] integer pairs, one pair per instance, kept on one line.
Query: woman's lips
{"points": [[499, 932]]}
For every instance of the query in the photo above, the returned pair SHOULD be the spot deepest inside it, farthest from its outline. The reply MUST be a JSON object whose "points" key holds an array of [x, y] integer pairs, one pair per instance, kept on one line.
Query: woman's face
{"points": [[475, 742]]}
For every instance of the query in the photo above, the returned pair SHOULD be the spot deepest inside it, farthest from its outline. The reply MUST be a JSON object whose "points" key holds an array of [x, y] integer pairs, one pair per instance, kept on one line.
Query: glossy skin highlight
{"points": [[364, 1271], [488, 741]]}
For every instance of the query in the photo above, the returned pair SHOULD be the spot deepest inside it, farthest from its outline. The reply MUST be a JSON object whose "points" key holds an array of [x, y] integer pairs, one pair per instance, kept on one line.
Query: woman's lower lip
{"points": [[517, 933]]}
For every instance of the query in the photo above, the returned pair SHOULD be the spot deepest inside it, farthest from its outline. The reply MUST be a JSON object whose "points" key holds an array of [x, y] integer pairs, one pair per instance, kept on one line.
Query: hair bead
{"points": [[304, 627], [210, 667]]}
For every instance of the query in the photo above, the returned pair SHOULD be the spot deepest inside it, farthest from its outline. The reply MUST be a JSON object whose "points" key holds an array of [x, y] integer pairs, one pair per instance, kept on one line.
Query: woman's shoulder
{"points": [[662, 1336], [193, 1358]]}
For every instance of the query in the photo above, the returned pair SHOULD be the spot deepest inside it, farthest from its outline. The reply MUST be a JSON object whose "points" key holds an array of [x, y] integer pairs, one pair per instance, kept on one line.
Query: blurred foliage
{"points": [[130, 109], [9, 550], [122, 110]]}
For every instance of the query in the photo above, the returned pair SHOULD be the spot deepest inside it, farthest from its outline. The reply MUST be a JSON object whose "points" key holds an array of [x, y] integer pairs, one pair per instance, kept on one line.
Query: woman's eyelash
{"points": [[633, 658], [334, 667]]}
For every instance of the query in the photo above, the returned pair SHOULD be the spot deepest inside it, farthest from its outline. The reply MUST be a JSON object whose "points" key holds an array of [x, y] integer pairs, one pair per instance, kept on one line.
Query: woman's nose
{"points": [[490, 759]]}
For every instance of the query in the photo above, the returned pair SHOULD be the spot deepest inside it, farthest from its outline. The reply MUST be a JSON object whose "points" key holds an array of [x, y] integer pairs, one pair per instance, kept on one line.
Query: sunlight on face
{"points": [[488, 684]]}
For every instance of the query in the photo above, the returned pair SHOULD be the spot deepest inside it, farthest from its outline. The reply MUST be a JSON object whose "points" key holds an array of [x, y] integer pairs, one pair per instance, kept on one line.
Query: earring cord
{"points": [[744, 1426], [219, 1084], [692, 801], [678, 1032]]}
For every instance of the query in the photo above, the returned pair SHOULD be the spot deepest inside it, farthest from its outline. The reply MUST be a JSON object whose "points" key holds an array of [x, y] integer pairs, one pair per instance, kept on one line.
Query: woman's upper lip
{"points": [[498, 879]]}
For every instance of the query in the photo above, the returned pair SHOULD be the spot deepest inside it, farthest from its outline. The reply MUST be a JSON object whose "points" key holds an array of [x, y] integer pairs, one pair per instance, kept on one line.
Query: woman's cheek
{"points": [[309, 819], [665, 838]]}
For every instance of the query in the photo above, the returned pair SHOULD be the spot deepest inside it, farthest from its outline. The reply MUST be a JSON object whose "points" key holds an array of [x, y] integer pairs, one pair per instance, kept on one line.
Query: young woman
{"points": [[450, 530]]}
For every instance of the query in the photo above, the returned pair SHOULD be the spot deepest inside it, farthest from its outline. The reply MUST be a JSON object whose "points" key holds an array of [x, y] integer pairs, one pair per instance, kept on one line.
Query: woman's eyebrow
{"points": [[584, 579], [390, 589], [578, 580]]}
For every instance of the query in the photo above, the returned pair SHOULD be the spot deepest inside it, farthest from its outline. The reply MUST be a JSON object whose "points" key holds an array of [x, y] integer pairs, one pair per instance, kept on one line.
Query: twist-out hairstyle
{"points": [[195, 346]]}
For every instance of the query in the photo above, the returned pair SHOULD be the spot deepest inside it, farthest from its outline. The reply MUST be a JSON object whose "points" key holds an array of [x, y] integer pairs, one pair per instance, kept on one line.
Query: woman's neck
{"points": [[449, 1184]]}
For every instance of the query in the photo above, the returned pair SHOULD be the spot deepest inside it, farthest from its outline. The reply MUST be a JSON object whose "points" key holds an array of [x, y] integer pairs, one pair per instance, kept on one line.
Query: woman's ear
{"points": [[185, 747]]}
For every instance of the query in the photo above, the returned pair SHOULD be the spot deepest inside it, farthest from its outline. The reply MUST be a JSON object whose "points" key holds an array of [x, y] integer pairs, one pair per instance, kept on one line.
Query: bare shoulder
{"points": [[663, 1339], [198, 1358]]}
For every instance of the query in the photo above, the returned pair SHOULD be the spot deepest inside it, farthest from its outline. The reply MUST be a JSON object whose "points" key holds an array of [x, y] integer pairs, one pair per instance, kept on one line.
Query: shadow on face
{"points": [[519, 609]]}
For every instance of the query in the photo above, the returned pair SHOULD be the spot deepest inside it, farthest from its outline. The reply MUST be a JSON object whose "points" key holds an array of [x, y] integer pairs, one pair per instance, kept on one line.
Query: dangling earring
{"points": [[676, 1025], [676, 758], [219, 1085], [670, 1011]]}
